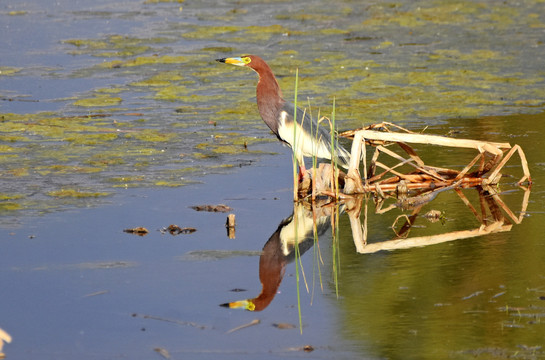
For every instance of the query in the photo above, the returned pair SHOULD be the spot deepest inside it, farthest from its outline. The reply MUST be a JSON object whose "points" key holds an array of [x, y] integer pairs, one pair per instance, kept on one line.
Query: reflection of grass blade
{"points": [[335, 248], [317, 256], [295, 197], [297, 259]]}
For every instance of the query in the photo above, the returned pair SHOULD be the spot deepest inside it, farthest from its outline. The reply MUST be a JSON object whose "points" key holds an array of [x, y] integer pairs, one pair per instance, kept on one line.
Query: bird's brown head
{"points": [[242, 304], [252, 61]]}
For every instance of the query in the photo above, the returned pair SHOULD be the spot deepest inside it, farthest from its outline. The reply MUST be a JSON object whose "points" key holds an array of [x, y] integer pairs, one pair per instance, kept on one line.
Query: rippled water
{"points": [[115, 115]]}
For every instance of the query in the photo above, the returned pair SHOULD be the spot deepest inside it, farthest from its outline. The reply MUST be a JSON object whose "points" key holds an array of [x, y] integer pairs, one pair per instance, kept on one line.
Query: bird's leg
{"points": [[302, 170]]}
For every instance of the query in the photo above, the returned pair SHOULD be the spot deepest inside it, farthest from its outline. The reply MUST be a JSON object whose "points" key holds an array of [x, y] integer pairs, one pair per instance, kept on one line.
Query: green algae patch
{"points": [[5, 197], [205, 32], [171, 92], [143, 151], [164, 78], [9, 206], [17, 12], [8, 70], [110, 90], [67, 169], [114, 46], [6, 148], [219, 49], [393, 61], [98, 101], [74, 193], [251, 33], [227, 149], [90, 139], [105, 158], [18, 172], [150, 135], [144, 60], [163, 1], [164, 183], [304, 17]]}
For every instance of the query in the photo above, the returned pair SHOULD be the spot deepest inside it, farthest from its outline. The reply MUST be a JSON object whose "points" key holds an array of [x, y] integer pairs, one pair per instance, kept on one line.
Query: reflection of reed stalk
{"points": [[335, 214], [336, 257], [317, 255], [295, 198]]}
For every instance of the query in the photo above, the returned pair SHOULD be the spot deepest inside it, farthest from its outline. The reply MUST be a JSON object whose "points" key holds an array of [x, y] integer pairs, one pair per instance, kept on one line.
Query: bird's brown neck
{"points": [[269, 97]]}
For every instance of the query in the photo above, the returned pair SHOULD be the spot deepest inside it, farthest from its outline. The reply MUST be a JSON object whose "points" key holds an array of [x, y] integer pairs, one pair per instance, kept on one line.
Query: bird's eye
{"points": [[246, 60]]}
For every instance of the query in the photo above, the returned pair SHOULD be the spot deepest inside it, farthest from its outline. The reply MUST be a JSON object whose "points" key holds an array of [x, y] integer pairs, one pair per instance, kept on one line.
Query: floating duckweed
{"points": [[95, 44], [289, 52], [7, 70], [219, 49], [127, 179], [18, 172], [245, 140], [169, 183], [151, 136], [239, 33], [171, 92], [6, 148], [199, 155], [164, 78], [144, 60], [4, 196], [205, 32], [74, 193], [98, 100], [114, 45], [17, 12], [10, 206], [110, 90], [106, 159], [227, 149], [66, 169], [90, 139], [272, 29], [163, 1], [333, 31], [305, 17], [174, 102], [128, 51], [383, 45], [223, 166], [143, 151]]}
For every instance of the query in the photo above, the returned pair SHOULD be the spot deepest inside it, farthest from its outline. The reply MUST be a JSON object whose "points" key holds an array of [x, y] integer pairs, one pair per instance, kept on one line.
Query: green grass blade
{"points": [[295, 165]]}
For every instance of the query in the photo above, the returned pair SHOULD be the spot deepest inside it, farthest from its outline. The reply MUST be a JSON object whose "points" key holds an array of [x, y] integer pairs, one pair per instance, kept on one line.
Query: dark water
{"points": [[114, 115]]}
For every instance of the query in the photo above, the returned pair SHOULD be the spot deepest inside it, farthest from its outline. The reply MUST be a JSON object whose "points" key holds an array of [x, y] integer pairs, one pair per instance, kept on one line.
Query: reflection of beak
{"points": [[233, 61], [242, 304]]}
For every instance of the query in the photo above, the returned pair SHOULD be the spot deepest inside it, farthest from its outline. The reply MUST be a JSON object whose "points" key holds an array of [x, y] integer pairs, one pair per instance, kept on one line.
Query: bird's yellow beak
{"points": [[242, 304], [238, 61]]}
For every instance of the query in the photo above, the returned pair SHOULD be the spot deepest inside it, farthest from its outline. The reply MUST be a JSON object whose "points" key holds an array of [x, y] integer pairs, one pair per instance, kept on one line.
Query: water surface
{"points": [[130, 124]]}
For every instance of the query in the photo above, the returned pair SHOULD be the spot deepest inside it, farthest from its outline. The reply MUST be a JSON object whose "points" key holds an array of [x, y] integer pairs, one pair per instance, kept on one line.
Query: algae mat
{"points": [[142, 102]]}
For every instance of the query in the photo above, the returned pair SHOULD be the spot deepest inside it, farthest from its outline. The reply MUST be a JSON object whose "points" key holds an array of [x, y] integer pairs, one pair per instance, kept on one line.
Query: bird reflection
{"points": [[279, 250]]}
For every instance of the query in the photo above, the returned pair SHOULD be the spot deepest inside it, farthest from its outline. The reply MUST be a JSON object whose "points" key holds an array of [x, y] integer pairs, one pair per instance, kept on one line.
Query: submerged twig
{"points": [[251, 323], [173, 321]]}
